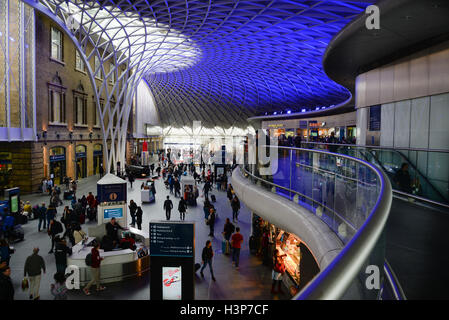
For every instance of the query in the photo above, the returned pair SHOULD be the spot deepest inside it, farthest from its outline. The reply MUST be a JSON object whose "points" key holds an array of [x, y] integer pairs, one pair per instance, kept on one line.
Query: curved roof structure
{"points": [[215, 61], [256, 57], [219, 61]]}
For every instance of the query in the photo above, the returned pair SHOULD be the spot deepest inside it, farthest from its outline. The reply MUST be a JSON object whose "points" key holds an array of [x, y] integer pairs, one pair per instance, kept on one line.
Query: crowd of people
{"points": [[65, 229], [62, 228]]}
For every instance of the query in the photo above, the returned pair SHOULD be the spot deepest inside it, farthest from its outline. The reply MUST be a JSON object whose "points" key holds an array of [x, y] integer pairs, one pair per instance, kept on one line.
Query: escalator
{"points": [[425, 167], [417, 229], [418, 248]]}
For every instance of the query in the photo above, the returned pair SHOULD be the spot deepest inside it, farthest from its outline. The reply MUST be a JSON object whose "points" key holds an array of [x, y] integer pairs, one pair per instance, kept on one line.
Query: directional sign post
{"points": [[172, 247]]}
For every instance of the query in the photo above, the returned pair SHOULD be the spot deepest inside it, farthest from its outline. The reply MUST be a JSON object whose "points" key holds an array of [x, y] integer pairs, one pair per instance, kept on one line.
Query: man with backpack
{"points": [[93, 260], [54, 229], [228, 230], [50, 214], [206, 189], [42, 212], [235, 205], [61, 253]]}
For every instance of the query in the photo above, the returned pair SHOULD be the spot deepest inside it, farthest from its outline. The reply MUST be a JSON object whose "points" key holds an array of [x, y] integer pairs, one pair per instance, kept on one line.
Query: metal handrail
{"points": [[332, 282], [302, 195], [376, 147], [394, 282], [408, 195]]}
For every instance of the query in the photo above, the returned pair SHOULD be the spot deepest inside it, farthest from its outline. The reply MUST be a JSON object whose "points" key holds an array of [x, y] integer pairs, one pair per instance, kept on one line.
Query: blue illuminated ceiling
{"points": [[256, 57], [221, 61]]}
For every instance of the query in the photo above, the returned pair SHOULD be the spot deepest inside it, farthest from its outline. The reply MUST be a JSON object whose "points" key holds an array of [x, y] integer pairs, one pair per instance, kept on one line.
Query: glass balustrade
{"points": [[349, 195]]}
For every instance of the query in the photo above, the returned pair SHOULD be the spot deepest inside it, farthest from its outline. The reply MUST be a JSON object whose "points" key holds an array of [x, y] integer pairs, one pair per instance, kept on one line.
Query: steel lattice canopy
{"points": [[221, 62]]}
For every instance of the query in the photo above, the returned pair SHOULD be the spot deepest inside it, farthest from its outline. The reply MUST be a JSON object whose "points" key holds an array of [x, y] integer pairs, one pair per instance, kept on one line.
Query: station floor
{"points": [[251, 282]]}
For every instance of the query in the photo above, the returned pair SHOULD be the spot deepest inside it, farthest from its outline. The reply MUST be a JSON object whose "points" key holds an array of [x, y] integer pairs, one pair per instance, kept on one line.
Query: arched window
{"points": [[56, 100], [80, 148], [80, 106]]}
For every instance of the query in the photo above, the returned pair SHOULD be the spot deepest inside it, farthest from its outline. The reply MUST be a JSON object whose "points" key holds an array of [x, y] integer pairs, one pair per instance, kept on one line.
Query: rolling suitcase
{"points": [[197, 267], [212, 197]]}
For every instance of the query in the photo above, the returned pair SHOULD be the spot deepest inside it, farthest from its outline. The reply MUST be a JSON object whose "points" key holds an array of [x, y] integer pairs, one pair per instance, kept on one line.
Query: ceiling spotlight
{"points": [[275, 112], [289, 111], [303, 110]]}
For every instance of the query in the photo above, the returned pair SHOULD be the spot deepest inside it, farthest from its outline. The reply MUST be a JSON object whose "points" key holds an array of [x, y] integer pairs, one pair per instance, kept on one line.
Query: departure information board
{"points": [[171, 239]]}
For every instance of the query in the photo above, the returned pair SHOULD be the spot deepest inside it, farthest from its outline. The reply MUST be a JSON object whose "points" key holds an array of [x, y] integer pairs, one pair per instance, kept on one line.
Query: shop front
{"points": [[57, 164], [81, 161], [98, 157], [315, 129], [5, 169], [301, 265]]}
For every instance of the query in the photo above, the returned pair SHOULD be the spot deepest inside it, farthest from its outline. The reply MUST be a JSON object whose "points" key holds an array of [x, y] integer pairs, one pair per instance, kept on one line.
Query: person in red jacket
{"points": [[95, 270], [91, 200]]}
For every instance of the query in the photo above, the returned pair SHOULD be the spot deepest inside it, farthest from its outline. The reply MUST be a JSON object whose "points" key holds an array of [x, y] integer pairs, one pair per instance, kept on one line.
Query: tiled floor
{"points": [[251, 282]]}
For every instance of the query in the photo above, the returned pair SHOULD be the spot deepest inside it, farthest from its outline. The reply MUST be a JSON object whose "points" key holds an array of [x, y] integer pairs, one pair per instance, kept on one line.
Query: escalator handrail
{"points": [[431, 202], [332, 282], [394, 282], [377, 147]]}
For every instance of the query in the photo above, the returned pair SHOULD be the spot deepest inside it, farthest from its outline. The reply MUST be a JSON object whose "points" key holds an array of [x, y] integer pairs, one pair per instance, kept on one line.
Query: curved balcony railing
{"points": [[426, 168], [353, 197]]}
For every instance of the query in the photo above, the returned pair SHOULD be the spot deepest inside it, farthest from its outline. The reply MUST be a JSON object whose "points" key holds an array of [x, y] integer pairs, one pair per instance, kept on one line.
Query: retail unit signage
{"points": [[98, 153], [303, 124], [57, 158], [316, 124], [276, 125], [171, 239], [81, 155]]}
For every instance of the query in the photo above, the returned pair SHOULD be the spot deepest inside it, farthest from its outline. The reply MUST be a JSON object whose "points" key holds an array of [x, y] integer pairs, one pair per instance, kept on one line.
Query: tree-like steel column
{"points": [[127, 45]]}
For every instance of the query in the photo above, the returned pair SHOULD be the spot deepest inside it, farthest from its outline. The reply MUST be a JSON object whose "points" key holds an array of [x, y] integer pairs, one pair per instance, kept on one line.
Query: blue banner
{"points": [[80, 155]]}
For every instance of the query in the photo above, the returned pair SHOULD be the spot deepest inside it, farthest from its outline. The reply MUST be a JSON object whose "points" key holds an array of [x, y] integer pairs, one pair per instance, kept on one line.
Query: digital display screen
{"points": [[171, 239], [171, 283], [14, 204], [113, 213]]}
